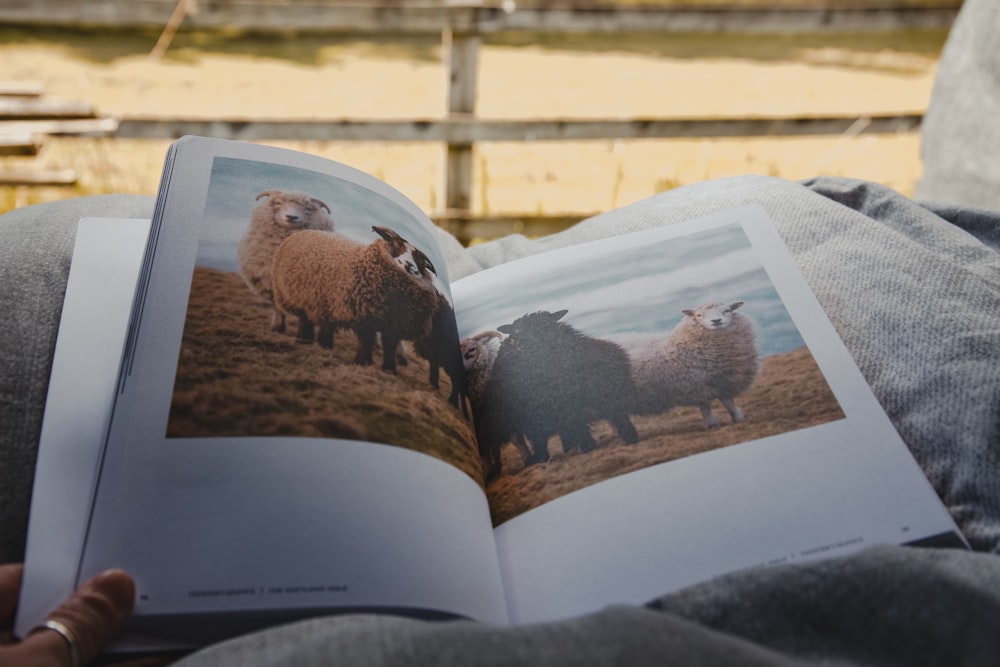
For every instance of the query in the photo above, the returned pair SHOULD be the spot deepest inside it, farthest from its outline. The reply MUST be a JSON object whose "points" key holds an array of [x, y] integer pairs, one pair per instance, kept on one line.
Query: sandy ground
{"points": [[359, 78]]}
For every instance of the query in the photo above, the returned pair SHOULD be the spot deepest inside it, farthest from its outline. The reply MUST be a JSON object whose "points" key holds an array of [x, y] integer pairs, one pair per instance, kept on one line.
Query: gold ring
{"points": [[66, 634]]}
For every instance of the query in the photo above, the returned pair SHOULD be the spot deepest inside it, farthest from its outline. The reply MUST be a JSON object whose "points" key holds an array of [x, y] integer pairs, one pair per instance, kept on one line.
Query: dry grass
{"points": [[521, 76]]}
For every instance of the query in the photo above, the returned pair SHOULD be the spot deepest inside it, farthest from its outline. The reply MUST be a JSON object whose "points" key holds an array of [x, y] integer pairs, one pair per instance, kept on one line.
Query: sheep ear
{"points": [[386, 233], [504, 328], [558, 315], [321, 204], [688, 312], [265, 193], [735, 304], [425, 260]]}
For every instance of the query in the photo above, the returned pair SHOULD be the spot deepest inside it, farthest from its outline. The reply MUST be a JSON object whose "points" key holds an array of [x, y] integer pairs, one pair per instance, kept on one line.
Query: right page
{"points": [[659, 408]]}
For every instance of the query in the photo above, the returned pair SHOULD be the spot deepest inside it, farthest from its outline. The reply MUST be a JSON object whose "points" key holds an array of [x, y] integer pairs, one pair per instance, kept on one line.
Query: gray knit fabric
{"points": [[36, 244], [887, 606], [961, 131], [915, 296]]}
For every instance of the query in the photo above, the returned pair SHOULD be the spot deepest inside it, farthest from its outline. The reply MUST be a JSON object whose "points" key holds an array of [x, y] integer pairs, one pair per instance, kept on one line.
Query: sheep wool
{"points": [[331, 282], [277, 215], [563, 380], [711, 354]]}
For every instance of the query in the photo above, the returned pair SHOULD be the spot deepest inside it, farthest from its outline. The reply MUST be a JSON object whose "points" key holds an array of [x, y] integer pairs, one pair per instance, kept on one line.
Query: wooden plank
{"points": [[432, 17], [462, 57], [23, 109], [83, 127], [37, 177], [21, 89], [18, 144], [460, 130]]}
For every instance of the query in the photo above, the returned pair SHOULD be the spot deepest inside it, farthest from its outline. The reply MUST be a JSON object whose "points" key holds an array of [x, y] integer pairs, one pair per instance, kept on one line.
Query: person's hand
{"points": [[80, 628]]}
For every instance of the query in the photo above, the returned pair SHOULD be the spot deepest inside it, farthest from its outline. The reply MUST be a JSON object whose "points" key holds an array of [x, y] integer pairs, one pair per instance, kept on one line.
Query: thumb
{"points": [[92, 615]]}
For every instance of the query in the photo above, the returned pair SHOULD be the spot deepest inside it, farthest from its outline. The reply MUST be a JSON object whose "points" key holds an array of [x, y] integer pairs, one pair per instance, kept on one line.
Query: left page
{"points": [[99, 293], [252, 474]]}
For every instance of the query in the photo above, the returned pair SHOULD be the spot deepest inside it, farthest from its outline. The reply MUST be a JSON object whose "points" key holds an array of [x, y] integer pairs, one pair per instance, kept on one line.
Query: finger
{"points": [[92, 615], [10, 588]]}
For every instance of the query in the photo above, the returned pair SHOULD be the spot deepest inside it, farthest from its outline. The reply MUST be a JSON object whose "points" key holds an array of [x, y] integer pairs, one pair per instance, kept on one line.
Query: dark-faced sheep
{"points": [[442, 350], [331, 282], [712, 354], [550, 379], [478, 354], [277, 215]]}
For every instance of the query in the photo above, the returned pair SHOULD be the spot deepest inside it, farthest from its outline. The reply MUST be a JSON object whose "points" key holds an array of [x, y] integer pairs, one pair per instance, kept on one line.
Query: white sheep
{"points": [[711, 354], [277, 215], [331, 282], [478, 353]]}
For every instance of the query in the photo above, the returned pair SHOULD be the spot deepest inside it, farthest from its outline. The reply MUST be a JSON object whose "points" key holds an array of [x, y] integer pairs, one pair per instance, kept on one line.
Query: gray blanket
{"points": [[914, 291]]}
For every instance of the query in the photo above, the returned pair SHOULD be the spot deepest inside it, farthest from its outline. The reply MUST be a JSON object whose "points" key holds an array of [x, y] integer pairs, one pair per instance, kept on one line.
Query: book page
{"points": [[253, 473], [611, 485]]}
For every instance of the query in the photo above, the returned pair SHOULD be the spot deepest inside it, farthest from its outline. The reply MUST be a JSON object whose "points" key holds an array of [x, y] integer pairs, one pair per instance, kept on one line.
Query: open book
{"points": [[314, 419]]}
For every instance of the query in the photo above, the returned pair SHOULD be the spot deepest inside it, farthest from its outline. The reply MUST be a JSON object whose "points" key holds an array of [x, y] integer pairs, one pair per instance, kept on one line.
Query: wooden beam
{"points": [[21, 89], [37, 177], [18, 144], [83, 127], [432, 17], [459, 130], [24, 109], [461, 50]]}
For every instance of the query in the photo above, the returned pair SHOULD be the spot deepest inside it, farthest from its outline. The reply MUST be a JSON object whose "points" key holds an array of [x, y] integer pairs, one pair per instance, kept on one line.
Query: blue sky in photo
{"points": [[235, 184], [640, 289]]}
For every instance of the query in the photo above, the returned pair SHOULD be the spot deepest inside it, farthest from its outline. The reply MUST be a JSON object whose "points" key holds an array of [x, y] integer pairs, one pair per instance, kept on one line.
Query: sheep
{"points": [[385, 287], [711, 354], [550, 379], [442, 349], [280, 214], [478, 353]]}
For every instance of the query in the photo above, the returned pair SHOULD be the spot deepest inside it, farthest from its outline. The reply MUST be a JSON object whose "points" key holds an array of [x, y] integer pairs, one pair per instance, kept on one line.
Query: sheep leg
{"points": [[626, 430], [578, 436], [325, 336], [458, 399], [734, 411], [489, 452], [402, 358], [278, 322], [434, 377], [389, 345], [540, 443], [707, 417], [305, 332], [366, 346], [524, 450]]}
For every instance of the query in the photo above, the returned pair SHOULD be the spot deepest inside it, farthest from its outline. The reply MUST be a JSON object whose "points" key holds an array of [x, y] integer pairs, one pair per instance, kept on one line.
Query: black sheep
{"points": [[442, 349], [551, 379]]}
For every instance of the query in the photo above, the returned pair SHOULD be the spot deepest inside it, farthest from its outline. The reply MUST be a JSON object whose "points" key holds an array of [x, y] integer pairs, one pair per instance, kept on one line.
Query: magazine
{"points": [[315, 419]]}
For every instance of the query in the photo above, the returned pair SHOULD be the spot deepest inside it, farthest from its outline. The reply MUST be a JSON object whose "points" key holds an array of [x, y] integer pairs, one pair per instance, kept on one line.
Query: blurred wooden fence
{"points": [[462, 27]]}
